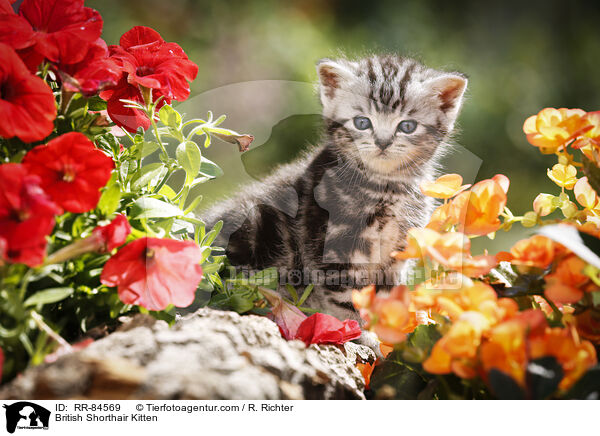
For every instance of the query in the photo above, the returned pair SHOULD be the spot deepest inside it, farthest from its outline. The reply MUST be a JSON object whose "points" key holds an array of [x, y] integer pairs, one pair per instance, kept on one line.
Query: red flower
{"points": [[5, 6], [321, 328], [72, 170], [315, 329], [155, 272], [147, 62], [27, 106], [57, 30], [26, 215], [112, 235], [103, 239], [287, 316], [128, 118], [92, 74]]}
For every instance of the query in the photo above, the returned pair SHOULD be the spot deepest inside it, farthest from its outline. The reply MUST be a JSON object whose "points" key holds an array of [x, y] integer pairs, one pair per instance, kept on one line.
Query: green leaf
{"points": [[420, 342], [399, 380], [235, 302], [305, 294], [211, 268], [211, 236], [189, 157], [146, 174], [194, 204], [167, 191], [170, 117], [48, 296], [210, 169], [504, 387], [148, 147], [110, 198], [268, 278], [592, 172], [292, 292], [543, 377], [147, 207], [587, 387]]}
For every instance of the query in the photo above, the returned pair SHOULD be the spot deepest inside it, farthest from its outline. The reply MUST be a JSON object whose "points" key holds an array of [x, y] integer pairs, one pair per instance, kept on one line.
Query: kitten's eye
{"points": [[407, 126], [362, 123]]}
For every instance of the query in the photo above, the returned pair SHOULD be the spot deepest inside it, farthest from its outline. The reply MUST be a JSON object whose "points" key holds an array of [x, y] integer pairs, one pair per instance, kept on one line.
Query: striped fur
{"points": [[333, 217]]}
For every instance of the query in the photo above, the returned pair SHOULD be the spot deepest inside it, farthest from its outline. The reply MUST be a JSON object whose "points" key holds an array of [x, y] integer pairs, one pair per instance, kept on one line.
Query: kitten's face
{"points": [[391, 113]]}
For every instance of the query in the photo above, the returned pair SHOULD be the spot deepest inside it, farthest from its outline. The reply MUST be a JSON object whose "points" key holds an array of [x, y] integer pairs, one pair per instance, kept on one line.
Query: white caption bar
{"points": [[283, 418]]}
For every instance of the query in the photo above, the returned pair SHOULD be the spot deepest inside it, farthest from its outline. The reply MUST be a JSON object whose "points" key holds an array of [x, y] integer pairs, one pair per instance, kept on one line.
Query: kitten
{"points": [[333, 217]]}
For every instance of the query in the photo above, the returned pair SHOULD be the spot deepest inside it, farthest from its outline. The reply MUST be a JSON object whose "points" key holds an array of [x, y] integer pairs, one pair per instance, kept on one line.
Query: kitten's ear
{"points": [[332, 75], [450, 89]]}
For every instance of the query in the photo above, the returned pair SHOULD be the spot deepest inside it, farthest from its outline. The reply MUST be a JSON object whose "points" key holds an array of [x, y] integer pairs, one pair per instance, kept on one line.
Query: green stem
{"points": [[150, 107], [24, 283], [39, 321], [555, 309]]}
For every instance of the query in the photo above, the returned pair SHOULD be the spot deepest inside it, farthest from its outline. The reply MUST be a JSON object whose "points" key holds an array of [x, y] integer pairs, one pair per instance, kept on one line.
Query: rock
{"points": [[207, 355]]}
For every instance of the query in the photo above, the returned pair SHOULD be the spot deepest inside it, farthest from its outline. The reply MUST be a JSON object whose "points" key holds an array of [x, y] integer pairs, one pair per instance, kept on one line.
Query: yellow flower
{"points": [[544, 204], [446, 186], [564, 176]]}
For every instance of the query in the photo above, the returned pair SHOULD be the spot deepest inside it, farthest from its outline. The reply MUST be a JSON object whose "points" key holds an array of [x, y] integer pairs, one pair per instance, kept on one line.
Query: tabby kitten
{"points": [[334, 217]]}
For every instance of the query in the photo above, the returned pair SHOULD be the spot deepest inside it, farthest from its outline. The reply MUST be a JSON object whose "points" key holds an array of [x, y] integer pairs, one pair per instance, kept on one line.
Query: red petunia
{"points": [[26, 215], [51, 29], [155, 273], [151, 63], [72, 170], [92, 74], [27, 106], [5, 6], [321, 328], [112, 235]]}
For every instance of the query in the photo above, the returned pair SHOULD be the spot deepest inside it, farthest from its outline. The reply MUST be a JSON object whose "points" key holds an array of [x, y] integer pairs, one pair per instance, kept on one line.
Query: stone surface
{"points": [[207, 355]]}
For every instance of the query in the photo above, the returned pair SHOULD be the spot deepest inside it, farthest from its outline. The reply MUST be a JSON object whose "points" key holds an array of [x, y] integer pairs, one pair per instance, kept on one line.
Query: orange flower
{"points": [[589, 143], [446, 186], [472, 295], [456, 351], [526, 337], [586, 196], [505, 350], [388, 316], [565, 285], [537, 251], [476, 211], [366, 369], [551, 129], [575, 356], [588, 325], [441, 218], [451, 250]]}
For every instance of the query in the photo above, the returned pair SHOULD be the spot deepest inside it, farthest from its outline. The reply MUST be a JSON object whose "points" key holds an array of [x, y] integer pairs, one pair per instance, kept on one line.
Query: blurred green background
{"points": [[520, 57]]}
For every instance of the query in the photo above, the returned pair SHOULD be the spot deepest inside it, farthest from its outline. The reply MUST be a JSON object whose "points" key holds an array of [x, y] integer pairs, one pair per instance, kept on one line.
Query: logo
{"points": [[26, 415]]}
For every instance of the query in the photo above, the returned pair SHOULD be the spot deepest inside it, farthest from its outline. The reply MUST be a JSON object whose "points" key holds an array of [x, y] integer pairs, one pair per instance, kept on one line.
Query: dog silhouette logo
{"points": [[26, 415]]}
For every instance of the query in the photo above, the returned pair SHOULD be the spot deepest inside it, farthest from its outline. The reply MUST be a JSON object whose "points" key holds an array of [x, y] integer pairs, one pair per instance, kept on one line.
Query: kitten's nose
{"points": [[383, 143]]}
